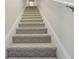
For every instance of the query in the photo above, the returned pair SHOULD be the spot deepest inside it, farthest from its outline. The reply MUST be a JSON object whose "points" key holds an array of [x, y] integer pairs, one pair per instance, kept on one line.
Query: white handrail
{"points": [[65, 3]]}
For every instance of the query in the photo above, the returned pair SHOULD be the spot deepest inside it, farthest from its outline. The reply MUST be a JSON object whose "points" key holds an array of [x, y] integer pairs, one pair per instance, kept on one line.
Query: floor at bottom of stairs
{"points": [[33, 58]]}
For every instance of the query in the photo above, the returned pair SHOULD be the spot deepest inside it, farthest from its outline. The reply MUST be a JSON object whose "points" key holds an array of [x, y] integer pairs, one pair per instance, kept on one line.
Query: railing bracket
{"points": [[72, 8]]}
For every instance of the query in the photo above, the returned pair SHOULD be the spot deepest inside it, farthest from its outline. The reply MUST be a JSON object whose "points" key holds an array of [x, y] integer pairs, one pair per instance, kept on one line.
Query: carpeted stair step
{"points": [[31, 31], [20, 51], [27, 17], [31, 14], [36, 10], [31, 52], [33, 24], [31, 20], [31, 11], [31, 7], [31, 45], [32, 58], [31, 38]]}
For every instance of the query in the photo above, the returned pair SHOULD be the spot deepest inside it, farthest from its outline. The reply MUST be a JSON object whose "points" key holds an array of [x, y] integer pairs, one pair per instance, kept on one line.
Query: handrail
{"points": [[68, 4]]}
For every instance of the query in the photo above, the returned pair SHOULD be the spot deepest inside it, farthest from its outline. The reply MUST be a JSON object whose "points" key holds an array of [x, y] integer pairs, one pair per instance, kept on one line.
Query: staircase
{"points": [[31, 40]]}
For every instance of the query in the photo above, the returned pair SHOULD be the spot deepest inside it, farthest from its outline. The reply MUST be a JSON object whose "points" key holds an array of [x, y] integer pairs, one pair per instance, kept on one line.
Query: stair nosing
{"points": [[32, 45], [33, 28], [32, 23], [32, 35], [31, 58]]}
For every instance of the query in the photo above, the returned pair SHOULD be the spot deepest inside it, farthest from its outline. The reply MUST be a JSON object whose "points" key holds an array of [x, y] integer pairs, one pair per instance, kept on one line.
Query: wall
{"points": [[61, 19], [13, 9], [72, 1]]}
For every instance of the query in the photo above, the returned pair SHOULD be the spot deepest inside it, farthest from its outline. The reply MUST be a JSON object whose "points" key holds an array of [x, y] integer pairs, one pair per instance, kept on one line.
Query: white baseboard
{"points": [[8, 38], [64, 54]]}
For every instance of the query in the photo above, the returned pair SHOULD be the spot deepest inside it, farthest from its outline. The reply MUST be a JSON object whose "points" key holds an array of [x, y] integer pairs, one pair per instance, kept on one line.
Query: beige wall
{"points": [[61, 20], [13, 9]]}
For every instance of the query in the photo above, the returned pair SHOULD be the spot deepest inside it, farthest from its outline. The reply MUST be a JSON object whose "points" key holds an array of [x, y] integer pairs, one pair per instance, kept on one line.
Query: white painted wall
{"points": [[61, 19], [72, 1], [13, 9]]}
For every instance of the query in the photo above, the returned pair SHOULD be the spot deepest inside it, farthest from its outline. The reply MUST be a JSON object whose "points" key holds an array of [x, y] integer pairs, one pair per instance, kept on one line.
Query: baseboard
{"points": [[56, 39], [8, 39]]}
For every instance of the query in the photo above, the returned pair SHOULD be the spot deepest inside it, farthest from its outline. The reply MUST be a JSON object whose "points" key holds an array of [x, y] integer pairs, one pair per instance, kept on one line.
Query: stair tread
{"points": [[31, 35], [31, 16], [30, 27], [31, 23], [32, 58], [38, 28], [31, 12], [31, 19], [32, 45]]}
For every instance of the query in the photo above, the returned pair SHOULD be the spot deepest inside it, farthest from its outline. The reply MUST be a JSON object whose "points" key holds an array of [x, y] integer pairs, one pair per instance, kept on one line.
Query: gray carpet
{"points": [[31, 40]]}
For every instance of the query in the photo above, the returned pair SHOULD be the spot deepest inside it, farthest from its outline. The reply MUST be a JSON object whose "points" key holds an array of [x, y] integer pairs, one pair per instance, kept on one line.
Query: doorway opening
{"points": [[31, 2]]}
